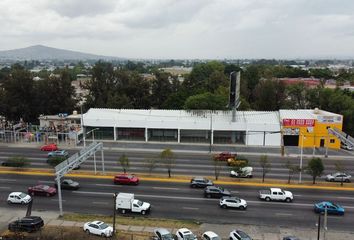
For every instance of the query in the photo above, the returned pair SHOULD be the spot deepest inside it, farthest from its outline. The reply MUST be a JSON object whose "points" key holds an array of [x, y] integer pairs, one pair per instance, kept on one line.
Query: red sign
{"points": [[298, 122]]}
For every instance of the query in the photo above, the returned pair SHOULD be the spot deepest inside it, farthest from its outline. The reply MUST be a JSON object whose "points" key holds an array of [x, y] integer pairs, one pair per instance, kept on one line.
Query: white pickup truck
{"points": [[276, 194], [125, 202]]}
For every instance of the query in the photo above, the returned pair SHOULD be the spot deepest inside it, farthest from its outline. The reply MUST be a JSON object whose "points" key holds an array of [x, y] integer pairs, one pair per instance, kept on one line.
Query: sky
{"points": [[183, 29]]}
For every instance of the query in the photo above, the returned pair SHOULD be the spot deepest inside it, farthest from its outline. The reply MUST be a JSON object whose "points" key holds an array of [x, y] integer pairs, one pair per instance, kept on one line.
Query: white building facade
{"points": [[253, 128]]}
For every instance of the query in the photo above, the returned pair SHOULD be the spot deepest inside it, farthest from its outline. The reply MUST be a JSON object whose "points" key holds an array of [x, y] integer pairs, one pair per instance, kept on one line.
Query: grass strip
{"points": [[132, 220]]}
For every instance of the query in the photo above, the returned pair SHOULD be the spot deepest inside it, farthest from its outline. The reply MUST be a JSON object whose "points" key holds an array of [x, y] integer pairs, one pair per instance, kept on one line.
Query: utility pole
{"points": [[211, 131], [319, 226], [114, 213], [301, 153], [325, 224], [82, 126]]}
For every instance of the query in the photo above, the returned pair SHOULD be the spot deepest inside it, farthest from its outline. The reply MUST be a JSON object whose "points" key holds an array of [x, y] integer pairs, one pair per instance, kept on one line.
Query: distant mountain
{"points": [[40, 52]]}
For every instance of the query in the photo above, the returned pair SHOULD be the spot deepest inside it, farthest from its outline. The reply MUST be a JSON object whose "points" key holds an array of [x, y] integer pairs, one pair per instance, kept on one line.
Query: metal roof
{"points": [[183, 119]]}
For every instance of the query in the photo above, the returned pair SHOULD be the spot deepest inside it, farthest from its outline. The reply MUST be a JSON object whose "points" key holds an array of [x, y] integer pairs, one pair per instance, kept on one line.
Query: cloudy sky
{"points": [[183, 28]]}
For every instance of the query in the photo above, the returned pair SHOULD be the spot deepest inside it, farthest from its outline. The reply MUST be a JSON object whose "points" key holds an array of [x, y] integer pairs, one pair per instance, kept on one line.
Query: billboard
{"points": [[235, 81]]}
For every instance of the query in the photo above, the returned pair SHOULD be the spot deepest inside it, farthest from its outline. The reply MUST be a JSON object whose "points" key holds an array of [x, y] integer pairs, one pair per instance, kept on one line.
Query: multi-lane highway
{"points": [[191, 163], [179, 201]]}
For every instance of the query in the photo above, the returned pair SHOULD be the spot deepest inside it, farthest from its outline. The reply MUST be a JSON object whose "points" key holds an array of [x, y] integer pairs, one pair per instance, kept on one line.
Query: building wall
{"points": [[320, 132]]}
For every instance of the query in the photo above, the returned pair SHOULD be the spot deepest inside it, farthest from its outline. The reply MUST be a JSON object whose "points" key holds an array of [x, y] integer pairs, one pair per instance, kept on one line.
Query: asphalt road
{"points": [[189, 163], [179, 201]]}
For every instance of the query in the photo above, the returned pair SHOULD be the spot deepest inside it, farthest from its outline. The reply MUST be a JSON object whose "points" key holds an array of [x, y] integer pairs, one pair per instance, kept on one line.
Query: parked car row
{"points": [[186, 234]]}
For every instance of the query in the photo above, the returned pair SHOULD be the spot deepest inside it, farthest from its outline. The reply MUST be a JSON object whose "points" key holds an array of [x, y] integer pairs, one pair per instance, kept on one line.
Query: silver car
{"points": [[338, 177]]}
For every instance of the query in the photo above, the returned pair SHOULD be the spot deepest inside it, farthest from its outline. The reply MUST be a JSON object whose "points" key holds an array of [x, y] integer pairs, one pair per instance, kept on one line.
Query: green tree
{"points": [[315, 168], [217, 167], [339, 166], [206, 101], [265, 165], [269, 95], [53, 161], [17, 95], [17, 161], [292, 169], [124, 162], [297, 95], [168, 160], [161, 88], [150, 164], [198, 79], [55, 94], [101, 85]]}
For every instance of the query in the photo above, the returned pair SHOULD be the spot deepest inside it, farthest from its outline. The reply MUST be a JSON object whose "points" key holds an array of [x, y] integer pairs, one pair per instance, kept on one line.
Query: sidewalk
{"points": [[256, 232]]}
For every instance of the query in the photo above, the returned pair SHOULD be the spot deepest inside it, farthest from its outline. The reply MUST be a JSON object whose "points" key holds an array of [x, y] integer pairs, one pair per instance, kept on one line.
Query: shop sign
{"points": [[291, 131], [298, 122], [329, 119]]}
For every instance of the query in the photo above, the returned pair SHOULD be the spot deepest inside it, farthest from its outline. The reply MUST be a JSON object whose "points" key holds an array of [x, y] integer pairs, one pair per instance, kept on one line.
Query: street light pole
{"points": [[114, 213], [301, 153], [211, 129], [82, 126], [94, 154], [319, 226]]}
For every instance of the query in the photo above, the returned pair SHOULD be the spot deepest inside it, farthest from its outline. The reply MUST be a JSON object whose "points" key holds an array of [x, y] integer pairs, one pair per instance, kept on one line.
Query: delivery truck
{"points": [[125, 202]]}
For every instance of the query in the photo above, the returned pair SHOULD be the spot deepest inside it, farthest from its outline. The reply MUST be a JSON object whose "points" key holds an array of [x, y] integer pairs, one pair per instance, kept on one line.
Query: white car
{"points": [[185, 234], [239, 235], [98, 228], [209, 235], [346, 147], [19, 197], [245, 172], [338, 177], [233, 202]]}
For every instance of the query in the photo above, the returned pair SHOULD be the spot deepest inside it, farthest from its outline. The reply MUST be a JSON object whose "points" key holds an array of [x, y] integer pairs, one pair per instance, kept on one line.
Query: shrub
{"points": [[53, 161], [17, 161]]}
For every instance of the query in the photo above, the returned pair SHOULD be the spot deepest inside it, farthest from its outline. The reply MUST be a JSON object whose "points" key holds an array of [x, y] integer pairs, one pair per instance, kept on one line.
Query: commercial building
{"points": [[308, 128]]}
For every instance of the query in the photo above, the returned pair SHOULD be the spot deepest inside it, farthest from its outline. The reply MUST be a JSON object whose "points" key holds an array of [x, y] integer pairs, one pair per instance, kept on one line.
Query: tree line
{"points": [[205, 87]]}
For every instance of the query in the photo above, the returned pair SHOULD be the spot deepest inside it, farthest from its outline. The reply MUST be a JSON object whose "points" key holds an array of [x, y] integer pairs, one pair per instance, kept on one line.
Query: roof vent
{"points": [[316, 111]]}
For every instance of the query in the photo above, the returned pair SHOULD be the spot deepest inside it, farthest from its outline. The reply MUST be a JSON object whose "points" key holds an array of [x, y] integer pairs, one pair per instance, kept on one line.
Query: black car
{"points": [[201, 182], [68, 184], [26, 224], [290, 238], [215, 192]]}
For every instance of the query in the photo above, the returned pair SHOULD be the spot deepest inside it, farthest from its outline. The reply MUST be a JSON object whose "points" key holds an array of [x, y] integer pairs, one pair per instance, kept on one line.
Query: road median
{"points": [[256, 182]]}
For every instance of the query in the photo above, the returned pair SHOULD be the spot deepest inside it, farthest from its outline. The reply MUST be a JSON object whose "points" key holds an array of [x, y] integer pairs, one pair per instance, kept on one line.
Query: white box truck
{"points": [[125, 202]]}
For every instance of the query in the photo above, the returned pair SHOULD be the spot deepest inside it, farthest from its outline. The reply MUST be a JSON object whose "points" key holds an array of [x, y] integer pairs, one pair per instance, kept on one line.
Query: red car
{"points": [[42, 190], [49, 147], [224, 156], [126, 179]]}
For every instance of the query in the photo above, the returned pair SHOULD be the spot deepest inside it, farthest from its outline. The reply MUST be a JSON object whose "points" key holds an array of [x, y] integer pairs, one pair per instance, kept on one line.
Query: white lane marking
{"points": [[297, 195], [4, 187], [236, 210], [52, 182], [57, 200], [205, 199], [335, 217], [107, 185], [94, 193], [235, 191], [190, 208], [165, 188], [8, 180], [100, 203], [350, 198], [284, 214]]}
